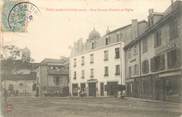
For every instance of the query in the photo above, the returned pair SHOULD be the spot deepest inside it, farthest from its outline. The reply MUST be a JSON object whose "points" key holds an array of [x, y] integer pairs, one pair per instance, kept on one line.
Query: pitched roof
{"points": [[123, 27], [167, 14], [57, 61]]}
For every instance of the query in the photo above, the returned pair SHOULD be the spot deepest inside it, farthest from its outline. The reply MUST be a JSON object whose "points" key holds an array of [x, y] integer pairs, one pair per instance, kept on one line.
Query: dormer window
{"points": [[107, 40], [93, 45]]}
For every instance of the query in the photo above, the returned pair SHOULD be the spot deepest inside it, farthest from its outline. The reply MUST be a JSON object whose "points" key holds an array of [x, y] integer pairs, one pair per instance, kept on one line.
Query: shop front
{"points": [[172, 86]]}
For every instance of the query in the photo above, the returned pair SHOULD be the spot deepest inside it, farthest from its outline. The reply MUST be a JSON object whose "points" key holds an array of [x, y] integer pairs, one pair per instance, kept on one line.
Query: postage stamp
{"points": [[16, 15]]}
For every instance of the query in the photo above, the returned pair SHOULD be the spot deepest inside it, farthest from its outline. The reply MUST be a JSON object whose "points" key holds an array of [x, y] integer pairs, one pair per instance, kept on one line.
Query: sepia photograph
{"points": [[90, 58]]}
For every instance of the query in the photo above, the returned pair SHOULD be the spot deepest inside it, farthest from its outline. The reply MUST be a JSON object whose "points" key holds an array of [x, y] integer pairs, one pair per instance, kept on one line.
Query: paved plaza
{"points": [[91, 107]]}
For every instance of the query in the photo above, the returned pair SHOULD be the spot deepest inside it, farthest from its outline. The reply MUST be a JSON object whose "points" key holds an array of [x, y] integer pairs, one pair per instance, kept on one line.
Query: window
{"points": [[56, 80], [157, 63], [162, 62], [82, 60], [91, 58], [173, 29], [74, 77], [136, 69], [106, 55], [83, 74], [154, 64], [107, 40], [173, 58], [74, 62], [145, 45], [117, 53], [135, 50], [93, 45], [106, 71], [129, 53], [92, 73], [129, 71], [157, 39], [117, 67], [145, 66]]}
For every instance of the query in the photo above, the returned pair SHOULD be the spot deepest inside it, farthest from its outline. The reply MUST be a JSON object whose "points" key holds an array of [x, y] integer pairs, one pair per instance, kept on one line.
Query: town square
{"points": [[82, 59]]}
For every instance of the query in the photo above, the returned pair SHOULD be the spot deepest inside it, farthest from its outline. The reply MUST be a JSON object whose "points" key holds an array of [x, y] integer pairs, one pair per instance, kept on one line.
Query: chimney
{"points": [[107, 31], [134, 28], [151, 11], [150, 17]]}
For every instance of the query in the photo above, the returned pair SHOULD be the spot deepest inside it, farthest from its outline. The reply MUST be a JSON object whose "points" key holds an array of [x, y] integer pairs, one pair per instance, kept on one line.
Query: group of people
{"points": [[83, 92]]}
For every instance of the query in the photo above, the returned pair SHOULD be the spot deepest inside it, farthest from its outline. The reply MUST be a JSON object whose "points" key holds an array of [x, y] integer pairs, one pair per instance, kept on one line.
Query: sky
{"points": [[62, 22]]}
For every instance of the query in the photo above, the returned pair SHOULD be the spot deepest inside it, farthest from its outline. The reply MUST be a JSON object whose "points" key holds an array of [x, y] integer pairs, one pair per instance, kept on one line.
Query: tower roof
{"points": [[94, 34]]}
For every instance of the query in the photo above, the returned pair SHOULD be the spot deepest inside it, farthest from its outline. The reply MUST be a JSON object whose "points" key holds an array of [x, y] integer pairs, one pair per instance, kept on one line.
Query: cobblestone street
{"points": [[91, 107]]}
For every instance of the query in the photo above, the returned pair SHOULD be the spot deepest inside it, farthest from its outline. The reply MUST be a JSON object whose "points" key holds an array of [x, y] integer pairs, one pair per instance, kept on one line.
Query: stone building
{"points": [[20, 81], [153, 58], [97, 65], [52, 77]]}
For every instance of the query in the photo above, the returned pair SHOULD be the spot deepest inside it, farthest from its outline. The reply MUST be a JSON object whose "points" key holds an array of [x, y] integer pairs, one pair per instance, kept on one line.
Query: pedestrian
{"points": [[123, 94]]}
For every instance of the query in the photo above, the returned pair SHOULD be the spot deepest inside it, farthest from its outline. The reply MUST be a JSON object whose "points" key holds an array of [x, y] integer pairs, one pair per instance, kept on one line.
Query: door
{"points": [[102, 89], [92, 89], [75, 89]]}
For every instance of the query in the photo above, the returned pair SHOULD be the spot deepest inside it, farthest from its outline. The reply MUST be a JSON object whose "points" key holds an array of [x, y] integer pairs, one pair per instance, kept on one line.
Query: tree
{"points": [[11, 52], [12, 59], [14, 53]]}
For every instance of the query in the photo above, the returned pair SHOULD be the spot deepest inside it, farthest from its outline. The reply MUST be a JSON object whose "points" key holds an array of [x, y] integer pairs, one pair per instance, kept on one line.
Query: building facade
{"points": [[153, 59], [97, 66], [52, 77], [21, 79]]}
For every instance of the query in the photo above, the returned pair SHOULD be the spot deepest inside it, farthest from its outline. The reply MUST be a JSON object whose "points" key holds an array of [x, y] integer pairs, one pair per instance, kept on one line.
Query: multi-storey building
{"points": [[52, 77], [153, 59], [97, 66]]}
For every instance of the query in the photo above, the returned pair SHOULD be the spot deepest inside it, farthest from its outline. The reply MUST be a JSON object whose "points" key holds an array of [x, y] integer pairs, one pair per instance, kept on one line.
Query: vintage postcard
{"points": [[91, 58]]}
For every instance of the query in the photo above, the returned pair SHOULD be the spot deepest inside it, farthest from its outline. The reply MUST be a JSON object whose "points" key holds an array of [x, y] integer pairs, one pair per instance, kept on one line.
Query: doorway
{"points": [[92, 89], [102, 89]]}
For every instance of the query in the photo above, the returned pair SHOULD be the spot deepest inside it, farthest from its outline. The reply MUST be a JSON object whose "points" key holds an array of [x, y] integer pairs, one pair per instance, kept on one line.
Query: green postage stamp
{"points": [[17, 14]]}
